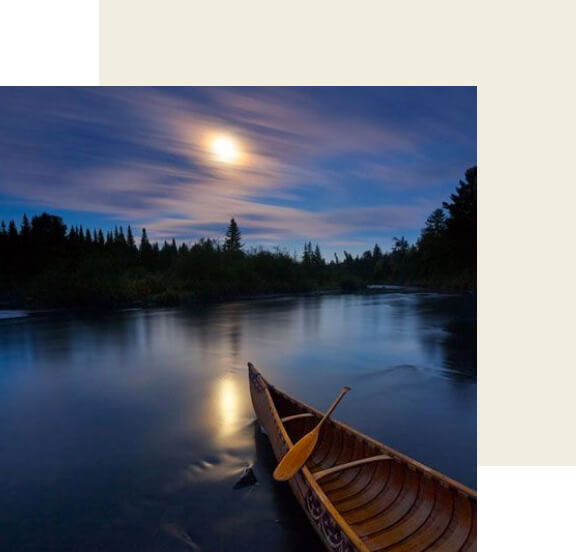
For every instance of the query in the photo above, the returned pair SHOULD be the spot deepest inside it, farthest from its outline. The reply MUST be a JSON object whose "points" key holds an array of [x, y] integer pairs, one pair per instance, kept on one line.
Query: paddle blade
{"points": [[296, 457]]}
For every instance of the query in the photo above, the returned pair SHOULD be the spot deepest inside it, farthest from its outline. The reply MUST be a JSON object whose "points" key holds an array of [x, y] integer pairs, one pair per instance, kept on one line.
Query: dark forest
{"points": [[44, 263]]}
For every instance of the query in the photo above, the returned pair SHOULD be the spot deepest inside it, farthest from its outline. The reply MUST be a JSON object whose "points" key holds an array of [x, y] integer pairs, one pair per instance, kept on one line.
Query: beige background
{"points": [[520, 55]]}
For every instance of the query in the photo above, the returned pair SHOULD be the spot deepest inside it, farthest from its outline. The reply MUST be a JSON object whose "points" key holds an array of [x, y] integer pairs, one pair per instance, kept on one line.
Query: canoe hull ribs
{"points": [[359, 494]]}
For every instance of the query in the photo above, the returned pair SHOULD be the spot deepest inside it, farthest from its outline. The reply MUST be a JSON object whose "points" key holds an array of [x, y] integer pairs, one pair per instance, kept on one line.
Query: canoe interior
{"points": [[396, 504]]}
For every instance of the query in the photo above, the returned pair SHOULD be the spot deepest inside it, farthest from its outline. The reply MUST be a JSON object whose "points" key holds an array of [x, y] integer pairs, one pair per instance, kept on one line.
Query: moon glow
{"points": [[225, 149]]}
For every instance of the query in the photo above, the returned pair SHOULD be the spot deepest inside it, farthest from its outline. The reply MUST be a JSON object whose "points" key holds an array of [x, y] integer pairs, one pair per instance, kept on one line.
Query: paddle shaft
{"points": [[297, 456], [331, 409]]}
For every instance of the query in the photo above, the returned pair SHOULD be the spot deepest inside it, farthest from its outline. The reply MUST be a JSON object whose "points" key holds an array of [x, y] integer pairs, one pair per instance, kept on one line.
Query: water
{"points": [[127, 431]]}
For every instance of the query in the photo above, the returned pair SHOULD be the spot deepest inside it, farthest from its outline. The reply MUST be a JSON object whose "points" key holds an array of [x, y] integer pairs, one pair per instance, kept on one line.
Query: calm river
{"points": [[127, 431]]}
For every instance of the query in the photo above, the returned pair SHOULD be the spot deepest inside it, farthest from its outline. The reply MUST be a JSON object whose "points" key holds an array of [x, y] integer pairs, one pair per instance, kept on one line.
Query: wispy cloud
{"points": [[142, 155]]}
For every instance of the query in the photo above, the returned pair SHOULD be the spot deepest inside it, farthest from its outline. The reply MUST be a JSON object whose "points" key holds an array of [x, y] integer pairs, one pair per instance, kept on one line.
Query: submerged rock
{"points": [[247, 479]]}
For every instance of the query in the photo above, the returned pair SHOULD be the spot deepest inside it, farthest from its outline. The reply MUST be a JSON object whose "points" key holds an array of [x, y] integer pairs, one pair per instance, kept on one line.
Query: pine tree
{"points": [[401, 246], [130, 239], [461, 222], [12, 232], [462, 207], [377, 262], [144, 243], [121, 239], [233, 242], [435, 224], [25, 228], [307, 256], [317, 256], [149, 253], [3, 238]]}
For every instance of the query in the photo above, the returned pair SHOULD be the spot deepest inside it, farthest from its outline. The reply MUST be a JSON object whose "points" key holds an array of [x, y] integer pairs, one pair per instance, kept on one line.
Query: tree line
{"points": [[43, 262]]}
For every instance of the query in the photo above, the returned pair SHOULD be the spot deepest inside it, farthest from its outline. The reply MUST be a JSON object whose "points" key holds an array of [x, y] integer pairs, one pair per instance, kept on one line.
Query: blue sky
{"points": [[342, 166]]}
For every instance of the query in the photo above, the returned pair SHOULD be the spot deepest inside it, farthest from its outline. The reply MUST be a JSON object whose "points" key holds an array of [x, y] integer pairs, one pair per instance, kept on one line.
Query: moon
{"points": [[225, 149]]}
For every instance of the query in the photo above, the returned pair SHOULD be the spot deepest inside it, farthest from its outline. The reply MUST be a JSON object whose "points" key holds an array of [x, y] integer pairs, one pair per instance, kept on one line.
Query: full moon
{"points": [[225, 149]]}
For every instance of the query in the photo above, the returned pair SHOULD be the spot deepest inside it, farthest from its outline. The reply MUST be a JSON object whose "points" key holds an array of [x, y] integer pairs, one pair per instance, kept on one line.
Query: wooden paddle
{"points": [[296, 457]]}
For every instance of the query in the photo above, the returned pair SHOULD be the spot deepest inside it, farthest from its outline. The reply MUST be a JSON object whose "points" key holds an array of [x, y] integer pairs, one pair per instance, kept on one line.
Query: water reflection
{"points": [[449, 332], [130, 429], [235, 335], [228, 406]]}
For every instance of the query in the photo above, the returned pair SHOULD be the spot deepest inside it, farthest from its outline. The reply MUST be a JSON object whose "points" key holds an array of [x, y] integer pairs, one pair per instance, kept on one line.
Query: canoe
{"points": [[359, 494]]}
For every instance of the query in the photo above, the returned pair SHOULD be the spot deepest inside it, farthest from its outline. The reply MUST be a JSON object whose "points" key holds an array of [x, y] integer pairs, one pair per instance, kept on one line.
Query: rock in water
{"points": [[247, 479]]}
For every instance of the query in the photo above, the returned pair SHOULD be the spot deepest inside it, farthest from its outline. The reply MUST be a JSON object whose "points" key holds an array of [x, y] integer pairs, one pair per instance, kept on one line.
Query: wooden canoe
{"points": [[360, 494]]}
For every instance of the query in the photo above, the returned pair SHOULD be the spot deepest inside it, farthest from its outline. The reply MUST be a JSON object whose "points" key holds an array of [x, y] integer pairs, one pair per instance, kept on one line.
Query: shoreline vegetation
{"points": [[45, 264]]}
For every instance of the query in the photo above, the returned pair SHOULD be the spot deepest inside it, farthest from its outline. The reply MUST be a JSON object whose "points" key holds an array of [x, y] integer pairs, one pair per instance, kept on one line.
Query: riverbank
{"points": [[189, 300]]}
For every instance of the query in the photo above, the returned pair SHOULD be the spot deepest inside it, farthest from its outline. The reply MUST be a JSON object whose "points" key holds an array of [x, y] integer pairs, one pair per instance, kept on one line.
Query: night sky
{"points": [[342, 166]]}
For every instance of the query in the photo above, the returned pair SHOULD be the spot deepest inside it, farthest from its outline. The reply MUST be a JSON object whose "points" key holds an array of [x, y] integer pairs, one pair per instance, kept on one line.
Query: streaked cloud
{"points": [[315, 165]]}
